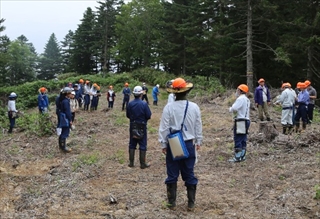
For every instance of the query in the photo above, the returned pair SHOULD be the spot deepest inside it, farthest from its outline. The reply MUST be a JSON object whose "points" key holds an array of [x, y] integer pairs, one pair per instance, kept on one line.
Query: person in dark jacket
{"points": [[126, 96], [139, 113], [43, 101], [145, 93], [111, 95], [262, 99], [64, 107]]}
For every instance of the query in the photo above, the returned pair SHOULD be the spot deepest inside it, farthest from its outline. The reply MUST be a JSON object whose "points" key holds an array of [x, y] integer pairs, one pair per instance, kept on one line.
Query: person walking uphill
{"points": [[262, 99], [65, 118], [139, 113], [43, 101], [126, 96], [241, 108], [12, 111], [190, 124]]}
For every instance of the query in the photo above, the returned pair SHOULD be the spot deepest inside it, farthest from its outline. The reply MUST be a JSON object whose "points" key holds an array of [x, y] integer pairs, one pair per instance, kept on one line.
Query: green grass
{"points": [[86, 159], [317, 195]]}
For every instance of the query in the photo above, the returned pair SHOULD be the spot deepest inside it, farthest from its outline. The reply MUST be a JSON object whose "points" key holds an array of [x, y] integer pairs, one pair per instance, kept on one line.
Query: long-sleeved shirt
{"points": [[312, 92], [287, 98], [43, 101], [86, 89], [303, 97], [12, 106], [241, 107], [172, 117], [65, 108], [138, 111]]}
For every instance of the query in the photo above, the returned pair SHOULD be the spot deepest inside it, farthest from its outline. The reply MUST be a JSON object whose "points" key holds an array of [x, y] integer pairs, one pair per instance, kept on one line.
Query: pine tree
{"points": [[66, 48]]}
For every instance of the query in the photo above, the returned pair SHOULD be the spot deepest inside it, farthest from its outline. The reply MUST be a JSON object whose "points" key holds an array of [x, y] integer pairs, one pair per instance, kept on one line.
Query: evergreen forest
{"points": [[210, 38]]}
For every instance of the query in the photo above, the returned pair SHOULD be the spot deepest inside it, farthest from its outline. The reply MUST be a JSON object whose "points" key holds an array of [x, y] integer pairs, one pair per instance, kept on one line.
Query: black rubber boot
{"points": [[304, 126], [131, 157], [60, 144], [290, 130], [297, 127], [143, 163], [191, 193], [284, 130], [172, 195], [63, 147], [10, 130]]}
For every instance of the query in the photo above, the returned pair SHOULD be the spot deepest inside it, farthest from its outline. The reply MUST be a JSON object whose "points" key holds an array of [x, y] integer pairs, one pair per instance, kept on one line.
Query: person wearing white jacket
{"points": [[287, 100], [12, 111]]}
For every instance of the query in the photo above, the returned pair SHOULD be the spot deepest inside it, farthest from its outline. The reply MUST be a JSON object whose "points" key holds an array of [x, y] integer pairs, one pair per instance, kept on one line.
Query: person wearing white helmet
{"points": [[155, 93], [12, 111], [65, 118], [139, 113]]}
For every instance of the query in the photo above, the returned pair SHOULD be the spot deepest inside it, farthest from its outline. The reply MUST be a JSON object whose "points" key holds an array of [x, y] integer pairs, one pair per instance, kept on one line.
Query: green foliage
{"points": [[36, 124], [86, 159], [317, 195]]}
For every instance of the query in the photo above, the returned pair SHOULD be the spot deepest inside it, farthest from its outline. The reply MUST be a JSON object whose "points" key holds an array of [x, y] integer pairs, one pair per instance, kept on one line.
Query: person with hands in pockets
{"points": [[172, 118]]}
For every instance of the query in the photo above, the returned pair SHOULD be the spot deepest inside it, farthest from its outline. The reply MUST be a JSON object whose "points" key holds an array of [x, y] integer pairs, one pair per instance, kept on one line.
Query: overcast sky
{"points": [[38, 19]]}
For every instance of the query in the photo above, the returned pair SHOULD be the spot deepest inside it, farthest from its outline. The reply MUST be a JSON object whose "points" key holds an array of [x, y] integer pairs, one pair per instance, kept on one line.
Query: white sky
{"points": [[38, 19]]}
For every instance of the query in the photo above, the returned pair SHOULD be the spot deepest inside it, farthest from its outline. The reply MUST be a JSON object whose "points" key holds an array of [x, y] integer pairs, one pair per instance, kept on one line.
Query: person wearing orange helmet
{"points": [[87, 98], [94, 95], [287, 100], [126, 96], [185, 116], [313, 96], [262, 99], [302, 111], [43, 100], [111, 95], [241, 110]]}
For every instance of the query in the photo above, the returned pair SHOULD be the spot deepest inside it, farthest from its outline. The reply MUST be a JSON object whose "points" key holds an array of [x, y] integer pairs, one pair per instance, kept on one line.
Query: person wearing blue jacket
{"points": [[43, 101], [155, 93], [139, 113], [126, 96], [64, 107], [262, 99]]}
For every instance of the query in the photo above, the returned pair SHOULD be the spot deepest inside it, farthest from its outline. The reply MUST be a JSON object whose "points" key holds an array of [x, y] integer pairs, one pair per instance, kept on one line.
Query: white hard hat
{"points": [[158, 85], [13, 94], [137, 90], [72, 92]]}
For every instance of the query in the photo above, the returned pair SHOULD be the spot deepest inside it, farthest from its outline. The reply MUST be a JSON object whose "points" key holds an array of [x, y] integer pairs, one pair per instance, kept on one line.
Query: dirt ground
{"points": [[278, 179]]}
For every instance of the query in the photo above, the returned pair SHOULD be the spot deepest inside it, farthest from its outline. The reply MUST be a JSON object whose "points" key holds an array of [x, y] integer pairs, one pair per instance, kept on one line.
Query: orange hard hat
{"points": [[179, 83], [303, 85], [285, 85], [261, 80], [81, 81], [307, 82], [87, 82], [299, 84], [126, 84], [110, 86], [243, 88], [42, 89]]}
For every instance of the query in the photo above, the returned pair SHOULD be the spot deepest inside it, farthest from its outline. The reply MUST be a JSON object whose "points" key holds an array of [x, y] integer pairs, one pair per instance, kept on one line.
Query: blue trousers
{"points": [[302, 113], [65, 133], [142, 142], [11, 120], [240, 140], [184, 166]]}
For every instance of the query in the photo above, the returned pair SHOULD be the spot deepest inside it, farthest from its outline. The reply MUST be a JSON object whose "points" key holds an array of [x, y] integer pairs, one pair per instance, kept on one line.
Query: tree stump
{"points": [[269, 130]]}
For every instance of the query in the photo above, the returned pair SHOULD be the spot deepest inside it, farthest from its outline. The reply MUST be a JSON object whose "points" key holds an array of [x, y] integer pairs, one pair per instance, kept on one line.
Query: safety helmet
{"points": [[299, 84], [66, 90], [179, 85], [243, 88], [303, 85], [137, 90], [13, 95], [307, 82], [81, 81], [126, 84], [42, 89], [87, 82], [110, 86], [261, 80]]}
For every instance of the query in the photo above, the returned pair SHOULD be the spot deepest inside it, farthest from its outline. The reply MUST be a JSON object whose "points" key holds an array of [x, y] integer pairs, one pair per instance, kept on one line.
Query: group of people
{"points": [[189, 123]]}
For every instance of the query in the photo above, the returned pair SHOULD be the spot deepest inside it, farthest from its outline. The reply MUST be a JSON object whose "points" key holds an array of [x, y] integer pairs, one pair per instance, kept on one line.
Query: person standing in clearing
{"points": [[43, 101], [172, 118], [287, 100], [262, 99], [12, 111], [111, 95], [302, 111], [241, 108], [86, 91], [74, 106], [126, 96], [64, 107], [155, 93], [139, 113], [145, 93], [313, 96]]}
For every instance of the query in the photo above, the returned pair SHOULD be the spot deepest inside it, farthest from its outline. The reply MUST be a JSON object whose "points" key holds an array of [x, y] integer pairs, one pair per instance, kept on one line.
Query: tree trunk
{"points": [[105, 55], [249, 48]]}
